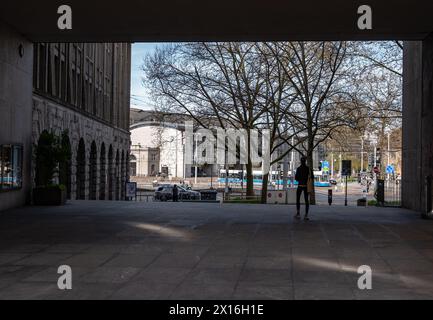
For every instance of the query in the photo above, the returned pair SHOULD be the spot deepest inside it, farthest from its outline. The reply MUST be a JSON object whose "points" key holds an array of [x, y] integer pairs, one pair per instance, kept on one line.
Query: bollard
{"points": [[380, 192], [329, 196]]}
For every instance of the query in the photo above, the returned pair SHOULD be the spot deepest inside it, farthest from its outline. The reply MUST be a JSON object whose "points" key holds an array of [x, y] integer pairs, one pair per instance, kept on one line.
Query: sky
{"points": [[139, 97]]}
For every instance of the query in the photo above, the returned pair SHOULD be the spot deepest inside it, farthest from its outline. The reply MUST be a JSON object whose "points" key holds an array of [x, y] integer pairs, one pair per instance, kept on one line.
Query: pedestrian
{"points": [[175, 193], [302, 176]]}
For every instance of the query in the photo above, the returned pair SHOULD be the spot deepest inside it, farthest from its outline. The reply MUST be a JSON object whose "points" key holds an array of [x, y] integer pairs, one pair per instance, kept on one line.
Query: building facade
{"points": [[16, 62], [78, 90], [83, 91], [144, 161], [158, 146]]}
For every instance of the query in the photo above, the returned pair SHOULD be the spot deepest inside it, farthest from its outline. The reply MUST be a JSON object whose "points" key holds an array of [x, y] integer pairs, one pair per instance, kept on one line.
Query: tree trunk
{"points": [[249, 168], [264, 188], [250, 183]]}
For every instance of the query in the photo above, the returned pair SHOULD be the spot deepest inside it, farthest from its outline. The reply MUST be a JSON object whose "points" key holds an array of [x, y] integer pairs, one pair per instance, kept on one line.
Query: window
{"points": [[11, 176]]}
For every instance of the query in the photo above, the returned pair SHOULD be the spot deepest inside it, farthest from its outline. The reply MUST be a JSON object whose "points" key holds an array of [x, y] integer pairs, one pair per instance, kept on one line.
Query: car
{"points": [[333, 182], [165, 193]]}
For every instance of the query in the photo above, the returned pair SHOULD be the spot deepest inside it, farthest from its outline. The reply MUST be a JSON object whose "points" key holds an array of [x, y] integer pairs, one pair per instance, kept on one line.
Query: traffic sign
{"points": [[346, 168], [325, 166], [376, 170], [131, 189], [390, 169]]}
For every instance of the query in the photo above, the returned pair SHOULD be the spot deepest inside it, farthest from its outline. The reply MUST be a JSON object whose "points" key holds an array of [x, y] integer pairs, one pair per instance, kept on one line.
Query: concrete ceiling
{"points": [[222, 20]]}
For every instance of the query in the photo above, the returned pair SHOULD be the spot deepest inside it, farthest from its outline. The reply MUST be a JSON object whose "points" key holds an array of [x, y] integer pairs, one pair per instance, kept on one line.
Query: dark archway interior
{"points": [[102, 174], [93, 172], [110, 174], [122, 176], [41, 173], [65, 167], [117, 176], [81, 171]]}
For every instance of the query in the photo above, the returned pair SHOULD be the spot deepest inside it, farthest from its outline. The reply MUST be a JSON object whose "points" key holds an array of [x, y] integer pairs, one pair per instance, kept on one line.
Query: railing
{"points": [[393, 193], [241, 198], [144, 196]]}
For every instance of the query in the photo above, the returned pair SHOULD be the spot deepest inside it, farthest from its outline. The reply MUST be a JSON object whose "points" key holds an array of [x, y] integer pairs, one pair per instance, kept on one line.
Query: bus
{"points": [[238, 177]]}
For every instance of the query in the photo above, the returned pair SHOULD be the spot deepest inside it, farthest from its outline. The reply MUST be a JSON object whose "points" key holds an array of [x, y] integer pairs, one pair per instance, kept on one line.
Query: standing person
{"points": [[175, 193], [302, 174]]}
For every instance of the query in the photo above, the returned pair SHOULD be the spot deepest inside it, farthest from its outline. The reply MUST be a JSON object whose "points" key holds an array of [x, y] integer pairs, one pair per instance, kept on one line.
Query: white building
{"points": [[157, 150], [158, 147]]}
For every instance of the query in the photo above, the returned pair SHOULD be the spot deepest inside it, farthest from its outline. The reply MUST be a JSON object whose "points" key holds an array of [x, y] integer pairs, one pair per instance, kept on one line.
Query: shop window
{"points": [[11, 176]]}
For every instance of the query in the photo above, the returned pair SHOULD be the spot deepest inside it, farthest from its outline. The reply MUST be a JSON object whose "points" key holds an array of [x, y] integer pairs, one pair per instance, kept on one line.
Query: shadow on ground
{"points": [[135, 250]]}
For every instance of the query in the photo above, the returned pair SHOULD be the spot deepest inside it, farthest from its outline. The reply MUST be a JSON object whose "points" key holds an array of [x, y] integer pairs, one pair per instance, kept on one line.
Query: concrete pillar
{"points": [[417, 122]]}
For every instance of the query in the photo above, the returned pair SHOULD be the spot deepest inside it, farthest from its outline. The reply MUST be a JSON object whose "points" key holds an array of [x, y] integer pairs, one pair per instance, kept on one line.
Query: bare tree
{"points": [[377, 86], [317, 72], [215, 83], [386, 55]]}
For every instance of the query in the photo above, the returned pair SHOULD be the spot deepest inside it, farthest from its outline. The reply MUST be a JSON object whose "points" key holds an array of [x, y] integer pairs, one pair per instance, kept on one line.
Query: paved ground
{"points": [[136, 250]]}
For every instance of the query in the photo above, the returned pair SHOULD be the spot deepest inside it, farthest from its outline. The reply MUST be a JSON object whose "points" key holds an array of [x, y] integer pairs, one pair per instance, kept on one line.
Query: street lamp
{"points": [[362, 154], [373, 139]]}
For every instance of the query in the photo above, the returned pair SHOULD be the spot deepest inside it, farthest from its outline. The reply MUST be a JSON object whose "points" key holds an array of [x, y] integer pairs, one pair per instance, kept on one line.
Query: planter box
{"points": [[50, 196], [362, 202], [208, 195]]}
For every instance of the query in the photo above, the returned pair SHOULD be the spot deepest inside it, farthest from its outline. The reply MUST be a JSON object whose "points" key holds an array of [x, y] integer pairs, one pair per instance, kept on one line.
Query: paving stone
{"points": [[380, 280], [168, 275], [50, 275], [221, 261], [8, 258], [88, 259], [260, 292], [392, 294], [43, 259], [84, 291], [269, 277], [124, 250], [143, 290], [130, 260], [322, 278], [279, 262], [320, 292], [113, 275], [411, 265], [190, 291], [28, 291], [376, 265], [67, 248], [24, 248], [306, 263], [213, 276], [172, 259]]}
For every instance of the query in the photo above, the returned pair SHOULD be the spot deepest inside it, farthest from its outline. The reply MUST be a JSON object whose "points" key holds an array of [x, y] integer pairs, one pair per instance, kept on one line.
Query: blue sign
{"points": [[325, 166], [390, 169]]}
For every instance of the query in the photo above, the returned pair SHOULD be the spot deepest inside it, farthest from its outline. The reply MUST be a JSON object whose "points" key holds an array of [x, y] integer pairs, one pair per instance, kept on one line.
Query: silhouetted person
{"points": [[175, 193], [302, 174]]}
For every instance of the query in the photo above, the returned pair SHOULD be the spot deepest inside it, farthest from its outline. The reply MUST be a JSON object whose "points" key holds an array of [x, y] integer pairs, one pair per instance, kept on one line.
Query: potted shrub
{"points": [[49, 153], [51, 195], [362, 202]]}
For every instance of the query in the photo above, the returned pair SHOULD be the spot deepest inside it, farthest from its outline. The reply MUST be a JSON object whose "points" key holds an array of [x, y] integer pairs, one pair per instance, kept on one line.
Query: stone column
{"points": [[417, 122]]}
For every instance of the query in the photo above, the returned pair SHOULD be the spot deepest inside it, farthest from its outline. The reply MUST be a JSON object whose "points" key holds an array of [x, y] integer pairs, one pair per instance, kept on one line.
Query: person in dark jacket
{"points": [[175, 193], [302, 174]]}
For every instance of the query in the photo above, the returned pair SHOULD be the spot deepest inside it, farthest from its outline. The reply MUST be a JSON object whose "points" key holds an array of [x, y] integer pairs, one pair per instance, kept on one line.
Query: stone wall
{"points": [[48, 115]]}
